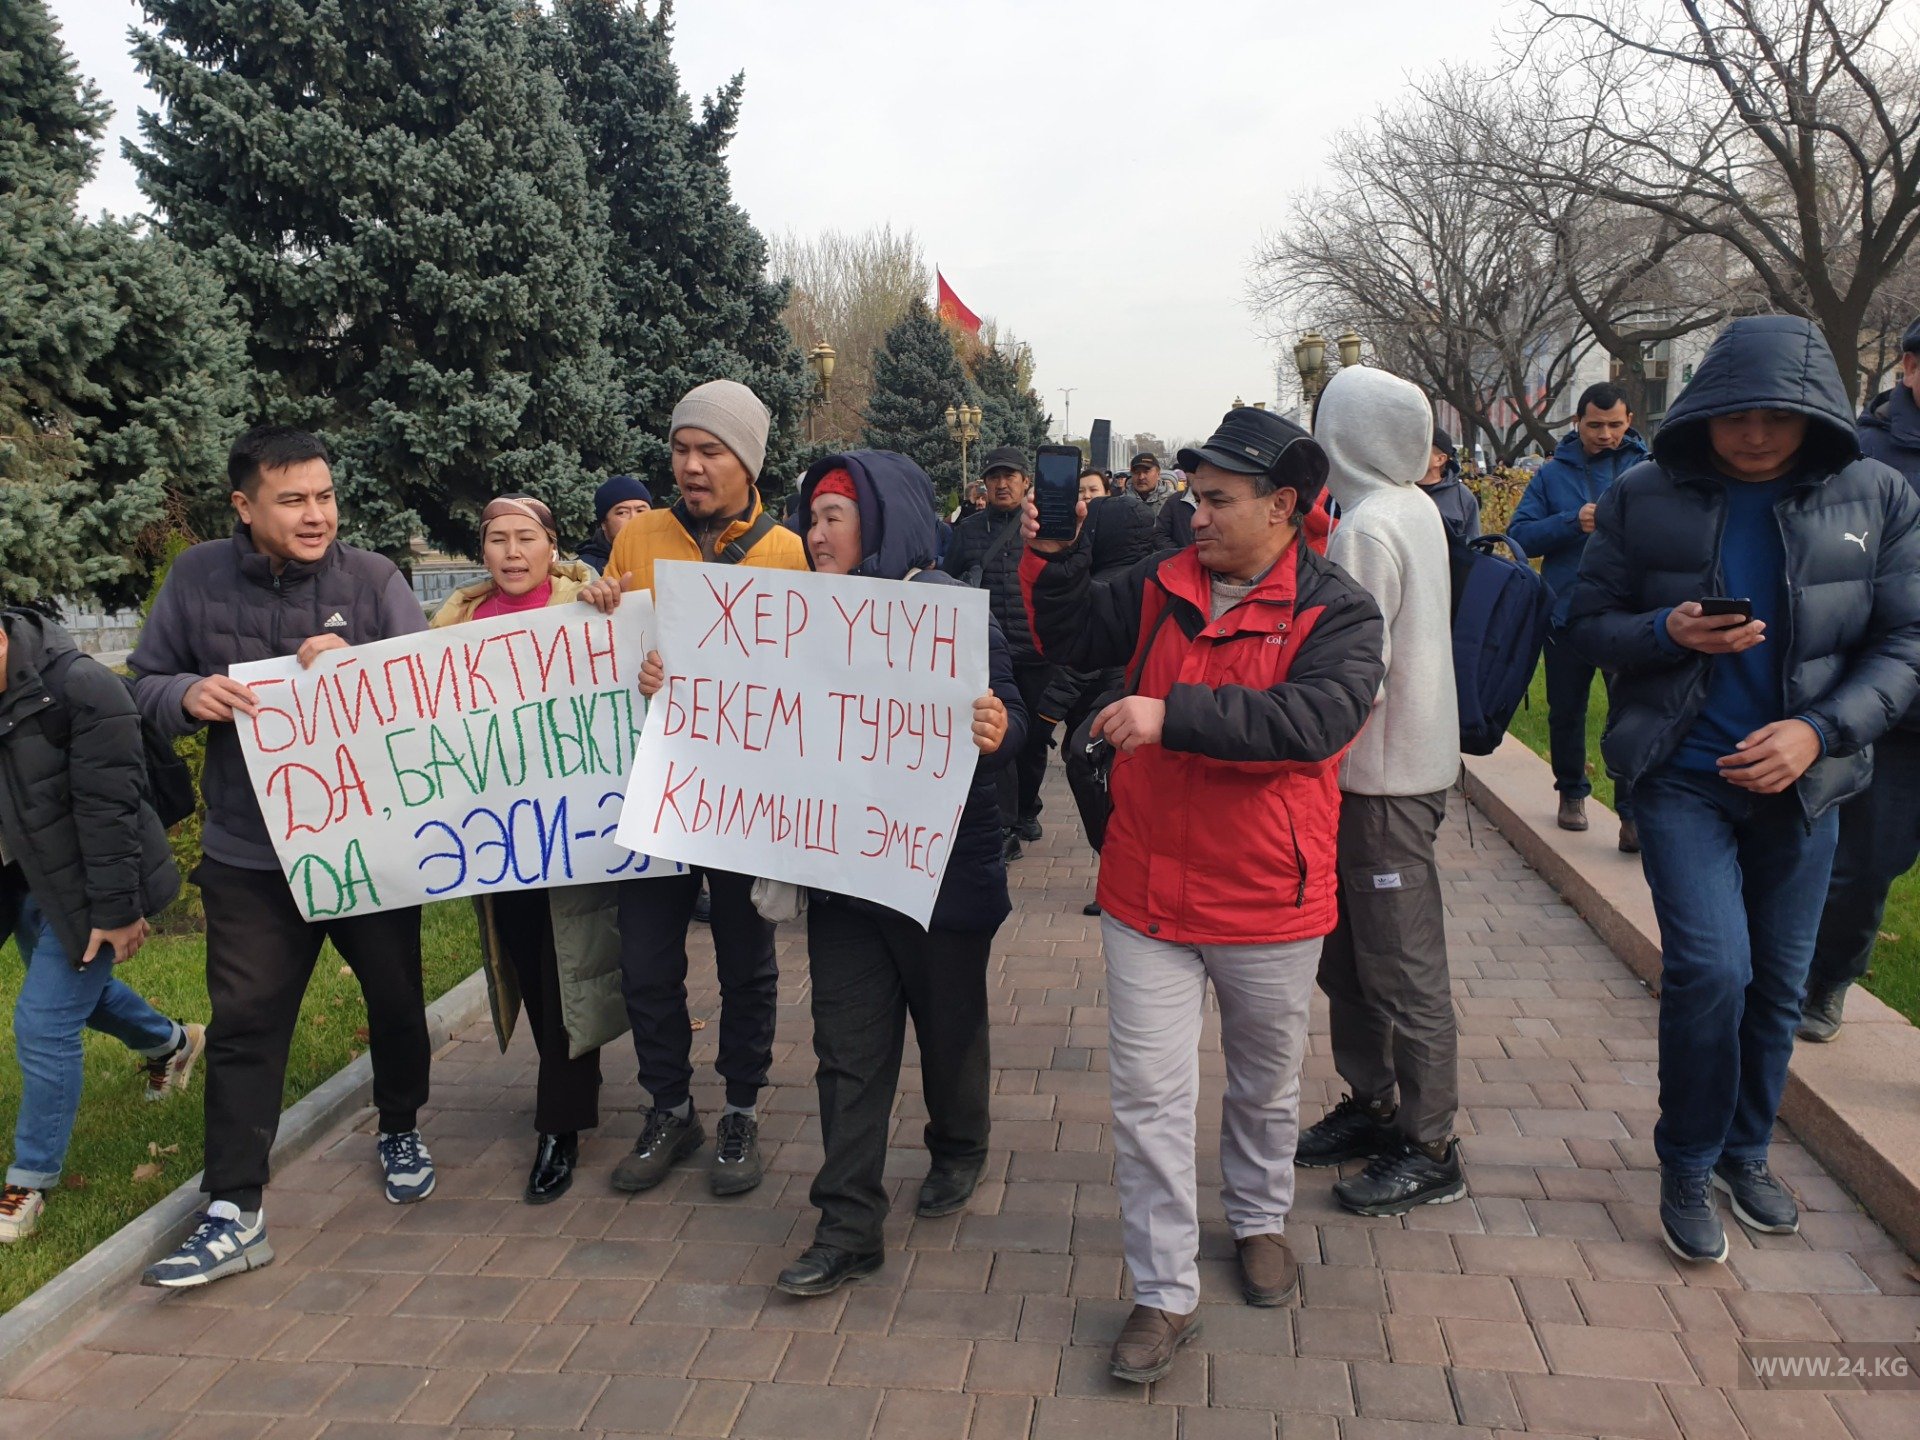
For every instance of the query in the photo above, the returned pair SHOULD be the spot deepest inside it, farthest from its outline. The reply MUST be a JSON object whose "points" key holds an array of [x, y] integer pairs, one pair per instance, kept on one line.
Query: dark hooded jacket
{"points": [[1459, 506], [1851, 532], [73, 782], [897, 531], [1890, 432], [595, 550], [1546, 522]]}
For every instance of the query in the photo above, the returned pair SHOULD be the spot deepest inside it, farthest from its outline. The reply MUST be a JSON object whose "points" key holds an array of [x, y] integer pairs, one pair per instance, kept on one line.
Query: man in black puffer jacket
{"points": [[985, 551], [83, 863], [1743, 729], [281, 585], [1879, 827]]}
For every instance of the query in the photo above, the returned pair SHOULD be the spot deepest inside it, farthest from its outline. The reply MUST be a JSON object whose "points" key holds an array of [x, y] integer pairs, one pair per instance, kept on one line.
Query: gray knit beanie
{"points": [[732, 413]]}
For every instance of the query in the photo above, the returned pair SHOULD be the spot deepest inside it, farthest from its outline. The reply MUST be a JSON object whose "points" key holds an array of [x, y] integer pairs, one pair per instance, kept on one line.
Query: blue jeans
{"points": [[1738, 882], [56, 1003]]}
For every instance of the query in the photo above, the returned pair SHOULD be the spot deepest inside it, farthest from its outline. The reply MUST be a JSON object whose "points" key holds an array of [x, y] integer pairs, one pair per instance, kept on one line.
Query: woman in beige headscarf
{"points": [[554, 953]]}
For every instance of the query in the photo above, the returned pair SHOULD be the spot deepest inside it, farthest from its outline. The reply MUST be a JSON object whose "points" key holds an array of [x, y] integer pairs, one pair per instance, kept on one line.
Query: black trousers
{"points": [[260, 956], [1019, 783], [1569, 689], [654, 915], [1879, 842], [870, 972], [567, 1094]]}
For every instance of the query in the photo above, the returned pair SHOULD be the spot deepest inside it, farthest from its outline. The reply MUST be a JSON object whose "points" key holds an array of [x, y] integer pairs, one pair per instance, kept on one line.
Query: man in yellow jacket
{"points": [[719, 439]]}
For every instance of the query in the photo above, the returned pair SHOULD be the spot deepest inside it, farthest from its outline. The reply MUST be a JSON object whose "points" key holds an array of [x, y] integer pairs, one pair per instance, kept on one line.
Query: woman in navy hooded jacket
{"points": [[1741, 736], [871, 512]]}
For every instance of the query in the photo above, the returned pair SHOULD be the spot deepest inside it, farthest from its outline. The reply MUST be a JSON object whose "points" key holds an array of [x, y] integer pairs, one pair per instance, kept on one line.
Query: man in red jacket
{"points": [[1257, 662]]}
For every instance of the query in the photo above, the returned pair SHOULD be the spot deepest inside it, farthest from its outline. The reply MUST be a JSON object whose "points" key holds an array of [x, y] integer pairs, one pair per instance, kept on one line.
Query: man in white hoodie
{"points": [[1384, 968]]}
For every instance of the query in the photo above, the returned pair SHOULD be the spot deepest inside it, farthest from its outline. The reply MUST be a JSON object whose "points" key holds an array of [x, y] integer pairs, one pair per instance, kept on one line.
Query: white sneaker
{"points": [[168, 1073], [19, 1212]]}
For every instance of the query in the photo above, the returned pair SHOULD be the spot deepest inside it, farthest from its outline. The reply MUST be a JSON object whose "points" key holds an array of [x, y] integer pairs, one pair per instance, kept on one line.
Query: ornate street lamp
{"points": [[1349, 349], [1310, 359], [963, 424], [820, 359]]}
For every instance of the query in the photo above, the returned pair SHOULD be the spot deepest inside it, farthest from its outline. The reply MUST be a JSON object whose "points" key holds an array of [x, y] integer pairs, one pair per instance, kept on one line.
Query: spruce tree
{"points": [[917, 374], [122, 372], [686, 267], [397, 199], [1011, 411]]}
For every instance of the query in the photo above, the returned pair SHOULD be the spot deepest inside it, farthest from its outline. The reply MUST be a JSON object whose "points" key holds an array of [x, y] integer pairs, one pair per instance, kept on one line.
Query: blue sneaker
{"points": [[408, 1167], [1760, 1201], [221, 1245], [1688, 1221]]}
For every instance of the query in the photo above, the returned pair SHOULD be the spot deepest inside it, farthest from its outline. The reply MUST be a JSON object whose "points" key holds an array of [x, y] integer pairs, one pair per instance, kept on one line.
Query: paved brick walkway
{"points": [[1544, 1304]]}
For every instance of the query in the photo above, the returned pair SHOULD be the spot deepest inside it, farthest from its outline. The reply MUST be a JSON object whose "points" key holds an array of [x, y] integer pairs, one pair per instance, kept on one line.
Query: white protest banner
{"points": [[814, 728], [485, 756]]}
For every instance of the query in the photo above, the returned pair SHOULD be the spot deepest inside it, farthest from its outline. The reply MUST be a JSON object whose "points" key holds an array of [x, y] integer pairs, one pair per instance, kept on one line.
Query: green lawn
{"points": [[116, 1126], [1895, 976]]}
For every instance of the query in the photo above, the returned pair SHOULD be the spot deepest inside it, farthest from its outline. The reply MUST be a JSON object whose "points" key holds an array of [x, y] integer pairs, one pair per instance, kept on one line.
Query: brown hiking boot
{"points": [[1145, 1350], [1573, 812], [1269, 1275]]}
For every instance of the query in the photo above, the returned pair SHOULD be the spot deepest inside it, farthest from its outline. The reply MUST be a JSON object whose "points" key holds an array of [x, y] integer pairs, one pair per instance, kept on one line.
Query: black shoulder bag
{"points": [[1090, 761]]}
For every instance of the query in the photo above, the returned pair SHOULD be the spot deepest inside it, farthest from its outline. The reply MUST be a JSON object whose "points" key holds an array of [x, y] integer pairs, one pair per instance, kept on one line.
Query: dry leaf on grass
{"points": [[345, 971], [73, 1182], [148, 1171], [155, 1149]]}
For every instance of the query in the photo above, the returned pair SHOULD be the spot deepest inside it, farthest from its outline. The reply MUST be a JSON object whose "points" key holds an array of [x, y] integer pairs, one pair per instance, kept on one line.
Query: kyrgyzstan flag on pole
{"points": [[952, 312]]}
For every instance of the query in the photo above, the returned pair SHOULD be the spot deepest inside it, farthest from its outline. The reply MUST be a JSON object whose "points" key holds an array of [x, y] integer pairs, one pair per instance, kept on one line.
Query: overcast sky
{"points": [[1093, 173]]}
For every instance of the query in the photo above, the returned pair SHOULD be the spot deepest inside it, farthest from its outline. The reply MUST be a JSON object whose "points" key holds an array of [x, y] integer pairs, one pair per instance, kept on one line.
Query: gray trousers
{"points": [[1384, 968], [1156, 999]]}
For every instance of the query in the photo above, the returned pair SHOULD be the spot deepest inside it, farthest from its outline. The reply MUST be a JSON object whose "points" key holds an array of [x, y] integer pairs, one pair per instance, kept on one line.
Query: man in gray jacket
{"points": [[282, 584], [1384, 968]]}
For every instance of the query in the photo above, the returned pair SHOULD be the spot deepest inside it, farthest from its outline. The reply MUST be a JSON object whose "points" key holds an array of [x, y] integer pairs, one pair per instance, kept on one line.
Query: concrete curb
{"points": [[1854, 1103], [46, 1318]]}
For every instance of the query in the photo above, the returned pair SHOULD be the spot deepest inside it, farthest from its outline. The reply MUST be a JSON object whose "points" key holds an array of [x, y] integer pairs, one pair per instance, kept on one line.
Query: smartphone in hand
{"points": [[1727, 605], [1056, 490]]}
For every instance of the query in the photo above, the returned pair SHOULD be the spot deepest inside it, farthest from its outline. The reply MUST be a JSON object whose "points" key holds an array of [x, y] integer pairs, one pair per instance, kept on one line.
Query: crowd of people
{"points": [[1250, 675]]}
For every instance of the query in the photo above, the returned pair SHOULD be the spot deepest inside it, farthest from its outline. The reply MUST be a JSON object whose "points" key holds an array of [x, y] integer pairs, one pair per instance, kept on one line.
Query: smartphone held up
{"points": [[1056, 490]]}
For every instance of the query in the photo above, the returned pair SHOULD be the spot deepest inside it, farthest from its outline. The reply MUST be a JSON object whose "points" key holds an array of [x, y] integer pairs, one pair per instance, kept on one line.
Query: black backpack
{"points": [[169, 782], [1501, 611]]}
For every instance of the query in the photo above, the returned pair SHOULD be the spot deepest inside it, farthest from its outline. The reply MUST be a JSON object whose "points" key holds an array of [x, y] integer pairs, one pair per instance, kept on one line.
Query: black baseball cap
{"points": [[1910, 342], [1145, 457], [1004, 457], [1253, 442]]}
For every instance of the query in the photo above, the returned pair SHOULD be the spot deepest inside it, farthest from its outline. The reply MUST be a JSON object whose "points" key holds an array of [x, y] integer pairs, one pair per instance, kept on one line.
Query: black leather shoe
{"points": [[1010, 847], [945, 1191], [1394, 1183], [703, 907], [1687, 1220], [552, 1173], [822, 1269], [1355, 1129], [1092, 907], [1028, 828]]}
